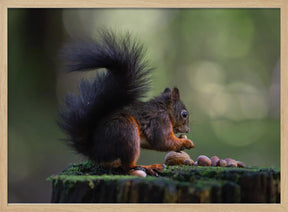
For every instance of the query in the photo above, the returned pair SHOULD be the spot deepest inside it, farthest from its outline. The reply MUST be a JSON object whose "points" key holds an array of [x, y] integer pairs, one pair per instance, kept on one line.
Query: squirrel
{"points": [[107, 121]]}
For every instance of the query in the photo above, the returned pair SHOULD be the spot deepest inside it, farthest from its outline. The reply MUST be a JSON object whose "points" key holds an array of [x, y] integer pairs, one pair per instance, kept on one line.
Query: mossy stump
{"points": [[91, 183]]}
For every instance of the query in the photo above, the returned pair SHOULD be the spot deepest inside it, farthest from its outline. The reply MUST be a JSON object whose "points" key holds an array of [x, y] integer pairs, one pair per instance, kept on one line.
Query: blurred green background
{"points": [[226, 63]]}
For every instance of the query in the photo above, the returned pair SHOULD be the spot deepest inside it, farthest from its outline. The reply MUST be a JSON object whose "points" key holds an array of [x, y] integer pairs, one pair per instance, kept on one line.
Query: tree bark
{"points": [[91, 183]]}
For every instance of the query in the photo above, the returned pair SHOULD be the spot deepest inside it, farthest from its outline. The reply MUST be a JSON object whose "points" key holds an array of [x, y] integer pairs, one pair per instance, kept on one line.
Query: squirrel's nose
{"points": [[187, 130]]}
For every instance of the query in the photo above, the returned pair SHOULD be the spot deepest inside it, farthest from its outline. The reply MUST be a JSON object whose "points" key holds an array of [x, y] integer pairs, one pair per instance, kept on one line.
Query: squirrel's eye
{"points": [[184, 114]]}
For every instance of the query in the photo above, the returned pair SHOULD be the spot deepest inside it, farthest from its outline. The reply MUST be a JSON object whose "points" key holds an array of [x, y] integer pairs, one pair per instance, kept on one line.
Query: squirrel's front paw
{"points": [[185, 144], [188, 144]]}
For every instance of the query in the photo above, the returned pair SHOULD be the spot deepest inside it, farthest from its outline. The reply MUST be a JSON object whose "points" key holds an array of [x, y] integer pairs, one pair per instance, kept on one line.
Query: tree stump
{"points": [[91, 183]]}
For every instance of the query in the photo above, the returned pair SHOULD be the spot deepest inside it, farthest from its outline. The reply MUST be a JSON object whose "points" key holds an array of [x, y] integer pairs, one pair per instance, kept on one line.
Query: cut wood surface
{"points": [[90, 183]]}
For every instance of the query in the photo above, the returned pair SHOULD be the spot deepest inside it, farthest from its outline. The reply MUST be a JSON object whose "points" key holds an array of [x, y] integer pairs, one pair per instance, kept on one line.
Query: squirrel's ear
{"points": [[166, 94], [167, 90], [175, 94]]}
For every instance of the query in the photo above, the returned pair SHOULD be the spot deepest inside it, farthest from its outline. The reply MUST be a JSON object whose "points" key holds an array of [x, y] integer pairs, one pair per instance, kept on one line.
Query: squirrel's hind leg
{"points": [[122, 136], [130, 147], [128, 141], [154, 169]]}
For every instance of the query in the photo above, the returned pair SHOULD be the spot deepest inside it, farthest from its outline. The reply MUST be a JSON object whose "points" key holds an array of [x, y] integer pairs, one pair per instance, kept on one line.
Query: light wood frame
{"points": [[5, 4]]}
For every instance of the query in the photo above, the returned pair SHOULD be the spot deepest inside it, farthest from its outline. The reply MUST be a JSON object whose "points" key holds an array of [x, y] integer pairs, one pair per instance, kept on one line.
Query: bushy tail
{"points": [[125, 81]]}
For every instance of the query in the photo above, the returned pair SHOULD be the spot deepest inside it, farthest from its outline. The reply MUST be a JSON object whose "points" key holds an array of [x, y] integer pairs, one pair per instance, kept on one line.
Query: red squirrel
{"points": [[107, 121]]}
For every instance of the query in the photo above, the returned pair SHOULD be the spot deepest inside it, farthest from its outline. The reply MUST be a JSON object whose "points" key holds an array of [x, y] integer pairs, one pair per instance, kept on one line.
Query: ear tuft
{"points": [[175, 94], [167, 96], [167, 90]]}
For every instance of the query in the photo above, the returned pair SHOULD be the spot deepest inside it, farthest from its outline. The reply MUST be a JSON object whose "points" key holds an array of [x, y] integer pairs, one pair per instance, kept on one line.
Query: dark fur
{"points": [[106, 121]]}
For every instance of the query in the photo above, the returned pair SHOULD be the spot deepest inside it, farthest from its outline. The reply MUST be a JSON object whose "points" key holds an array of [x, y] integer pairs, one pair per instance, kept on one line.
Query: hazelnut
{"points": [[138, 173], [214, 160], [183, 136], [231, 162], [221, 163], [176, 158], [241, 164], [203, 160], [188, 162]]}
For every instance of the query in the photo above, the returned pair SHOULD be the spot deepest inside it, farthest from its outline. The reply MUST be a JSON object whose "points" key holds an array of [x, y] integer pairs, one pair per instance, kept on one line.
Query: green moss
{"points": [[91, 184], [201, 176], [89, 170], [193, 174]]}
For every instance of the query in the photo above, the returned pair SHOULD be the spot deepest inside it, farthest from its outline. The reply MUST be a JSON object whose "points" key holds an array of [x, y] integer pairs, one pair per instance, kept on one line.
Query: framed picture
{"points": [[224, 57]]}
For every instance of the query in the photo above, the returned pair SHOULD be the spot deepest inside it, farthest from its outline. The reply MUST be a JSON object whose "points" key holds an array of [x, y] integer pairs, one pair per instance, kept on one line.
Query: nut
{"points": [[138, 173], [188, 162], [221, 163], [203, 160], [183, 136], [176, 158], [214, 159], [231, 162], [241, 164]]}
